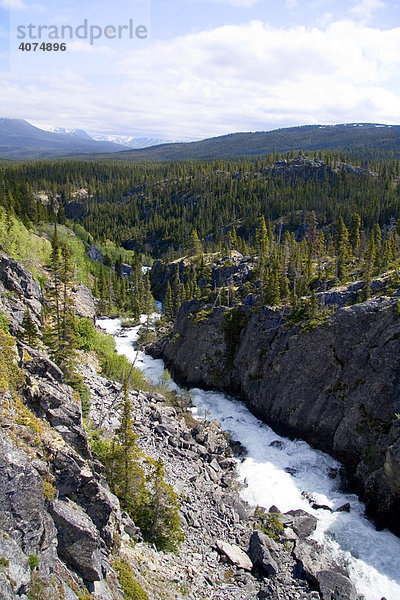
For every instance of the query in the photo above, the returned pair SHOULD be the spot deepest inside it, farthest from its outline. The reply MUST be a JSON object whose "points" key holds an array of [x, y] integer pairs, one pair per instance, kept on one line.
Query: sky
{"points": [[200, 68]]}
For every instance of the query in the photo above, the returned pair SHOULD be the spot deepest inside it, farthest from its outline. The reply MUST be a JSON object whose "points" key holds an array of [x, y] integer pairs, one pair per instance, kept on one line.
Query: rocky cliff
{"points": [[335, 386], [62, 532]]}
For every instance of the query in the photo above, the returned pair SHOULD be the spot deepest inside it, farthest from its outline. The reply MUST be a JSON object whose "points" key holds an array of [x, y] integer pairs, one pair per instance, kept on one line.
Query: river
{"points": [[278, 474]]}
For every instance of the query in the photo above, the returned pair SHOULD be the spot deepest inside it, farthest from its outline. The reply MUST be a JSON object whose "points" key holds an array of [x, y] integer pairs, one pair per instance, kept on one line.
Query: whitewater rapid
{"points": [[278, 474]]}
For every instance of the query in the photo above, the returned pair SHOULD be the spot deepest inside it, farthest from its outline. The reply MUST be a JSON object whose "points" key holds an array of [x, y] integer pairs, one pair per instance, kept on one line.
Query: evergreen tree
{"points": [[354, 233], [342, 248], [168, 305], [194, 246], [30, 330], [158, 514]]}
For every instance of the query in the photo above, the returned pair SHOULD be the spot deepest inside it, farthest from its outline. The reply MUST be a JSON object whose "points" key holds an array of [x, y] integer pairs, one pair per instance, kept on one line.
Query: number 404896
{"points": [[44, 47]]}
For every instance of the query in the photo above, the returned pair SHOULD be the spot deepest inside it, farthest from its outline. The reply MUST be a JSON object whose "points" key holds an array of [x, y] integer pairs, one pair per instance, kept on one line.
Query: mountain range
{"points": [[20, 140], [370, 139]]}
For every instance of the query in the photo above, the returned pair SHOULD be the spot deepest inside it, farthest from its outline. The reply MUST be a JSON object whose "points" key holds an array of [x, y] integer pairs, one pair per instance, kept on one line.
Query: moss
{"points": [[11, 377], [132, 589], [26, 417], [49, 490], [33, 561], [4, 562], [36, 587]]}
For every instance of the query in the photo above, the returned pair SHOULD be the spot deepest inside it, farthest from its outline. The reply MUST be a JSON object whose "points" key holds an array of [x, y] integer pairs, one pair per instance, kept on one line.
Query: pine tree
{"points": [[194, 246], [60, 319], [30, 330], [342, 248], [368, 267], [354, 233], [158, 513], [168, 305], [125, 475], [52, 334]]}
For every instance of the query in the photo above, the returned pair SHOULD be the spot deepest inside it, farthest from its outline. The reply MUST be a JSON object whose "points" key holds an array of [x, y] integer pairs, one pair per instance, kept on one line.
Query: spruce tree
{"points": [[354, 233], [158, 513], [30, 333]]}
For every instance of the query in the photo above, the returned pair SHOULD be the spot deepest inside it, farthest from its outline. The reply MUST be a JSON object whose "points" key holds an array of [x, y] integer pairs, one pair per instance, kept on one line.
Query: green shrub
{"points": [[269, 523], [132, 589], [49, 491], [33, 561], [11, 377], [4, 323]]}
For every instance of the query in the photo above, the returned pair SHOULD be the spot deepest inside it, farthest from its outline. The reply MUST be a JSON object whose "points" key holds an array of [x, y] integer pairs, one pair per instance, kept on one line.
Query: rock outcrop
{"points": [[19, 291], [335, 386]]}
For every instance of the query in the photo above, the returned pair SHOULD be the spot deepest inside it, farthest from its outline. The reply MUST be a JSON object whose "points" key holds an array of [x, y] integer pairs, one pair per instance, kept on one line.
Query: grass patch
{"points": [[132, 589]]}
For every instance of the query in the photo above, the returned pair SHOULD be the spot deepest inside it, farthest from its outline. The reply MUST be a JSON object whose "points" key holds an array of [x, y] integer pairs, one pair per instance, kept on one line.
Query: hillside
{"points": [[20, 140], [154, 208], [368, 139]]}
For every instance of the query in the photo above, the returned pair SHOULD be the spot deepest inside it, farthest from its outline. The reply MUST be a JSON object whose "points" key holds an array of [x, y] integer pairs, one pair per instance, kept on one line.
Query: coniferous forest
{"points": [[308, 222]]}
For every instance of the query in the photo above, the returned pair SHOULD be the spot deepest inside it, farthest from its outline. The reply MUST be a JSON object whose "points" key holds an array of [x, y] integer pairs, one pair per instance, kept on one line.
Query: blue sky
{"points": [[208, 67]]}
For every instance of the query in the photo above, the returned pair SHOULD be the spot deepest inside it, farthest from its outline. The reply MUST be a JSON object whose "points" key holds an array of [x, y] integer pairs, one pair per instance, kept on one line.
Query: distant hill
{"points": [[367, 138], [21, 140]]}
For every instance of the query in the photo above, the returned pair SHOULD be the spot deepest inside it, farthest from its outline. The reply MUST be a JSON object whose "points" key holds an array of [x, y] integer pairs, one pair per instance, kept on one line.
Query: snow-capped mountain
{"points": [[131, 141]]}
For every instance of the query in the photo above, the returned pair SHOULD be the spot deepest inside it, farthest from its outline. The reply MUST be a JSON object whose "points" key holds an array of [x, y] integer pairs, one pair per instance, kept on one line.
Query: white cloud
{"points": [[364, 9], [235, 3], [233, 78], [13, 4]]}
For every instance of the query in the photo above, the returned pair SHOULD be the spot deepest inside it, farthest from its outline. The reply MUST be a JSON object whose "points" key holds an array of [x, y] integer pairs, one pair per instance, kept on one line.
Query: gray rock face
{"points": [[18, 568], [17, 279], [19, 291], [94, 253], [84, 302], [335, 387], [56, 403], [79, 539], [23, 514]]}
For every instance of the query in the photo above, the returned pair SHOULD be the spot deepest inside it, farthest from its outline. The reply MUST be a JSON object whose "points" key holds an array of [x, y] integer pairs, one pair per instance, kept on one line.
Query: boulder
{"points": [[79, 543], [321, 571], [301, 522], [260, 555], [81, 484], [235, 554], [335, 586], [344, 508]]}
